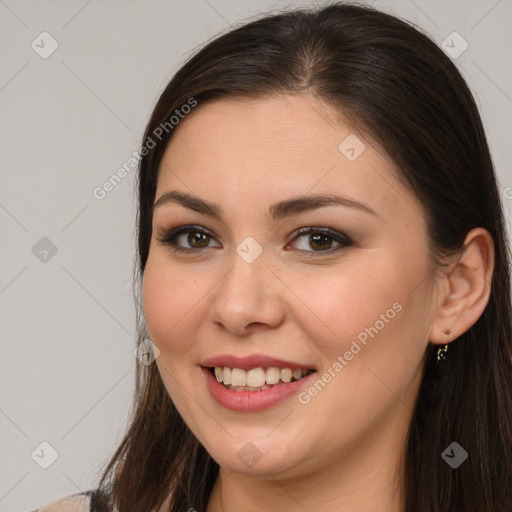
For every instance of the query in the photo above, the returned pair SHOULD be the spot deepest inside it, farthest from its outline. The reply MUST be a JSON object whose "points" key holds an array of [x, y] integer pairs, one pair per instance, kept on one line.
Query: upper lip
{"points": [[251, 361]]}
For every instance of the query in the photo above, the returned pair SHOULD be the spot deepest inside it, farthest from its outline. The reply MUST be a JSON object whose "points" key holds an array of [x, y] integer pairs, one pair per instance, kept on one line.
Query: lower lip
{"points": [[252, 401]]}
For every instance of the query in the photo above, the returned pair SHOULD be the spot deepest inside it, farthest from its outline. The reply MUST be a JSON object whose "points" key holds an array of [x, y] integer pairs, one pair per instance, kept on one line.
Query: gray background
{"points": [[68, 122]]}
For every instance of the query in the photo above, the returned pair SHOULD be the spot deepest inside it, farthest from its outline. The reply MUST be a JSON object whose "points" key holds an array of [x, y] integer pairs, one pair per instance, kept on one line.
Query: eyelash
{"points": [[169, 238]]}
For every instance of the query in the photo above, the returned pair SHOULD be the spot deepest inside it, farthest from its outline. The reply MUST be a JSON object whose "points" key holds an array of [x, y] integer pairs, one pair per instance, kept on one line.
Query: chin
{"points": [[265, 460]]}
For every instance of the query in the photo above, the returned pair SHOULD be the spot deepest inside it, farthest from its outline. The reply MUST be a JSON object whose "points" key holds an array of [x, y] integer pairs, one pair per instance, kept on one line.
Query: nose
{"points": [[249, 298]]}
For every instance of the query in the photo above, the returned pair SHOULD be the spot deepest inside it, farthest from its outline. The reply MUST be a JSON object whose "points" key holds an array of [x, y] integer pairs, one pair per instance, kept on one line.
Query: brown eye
{"points": [[197, 240], [321, 240], [187, 238]]}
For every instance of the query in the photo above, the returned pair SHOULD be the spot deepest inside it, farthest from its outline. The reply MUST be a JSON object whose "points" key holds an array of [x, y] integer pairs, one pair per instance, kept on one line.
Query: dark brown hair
{"points": [[398, 88]]}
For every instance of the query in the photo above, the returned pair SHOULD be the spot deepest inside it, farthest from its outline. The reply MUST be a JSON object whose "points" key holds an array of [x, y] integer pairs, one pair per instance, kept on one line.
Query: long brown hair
{"points": [[396, 86]]}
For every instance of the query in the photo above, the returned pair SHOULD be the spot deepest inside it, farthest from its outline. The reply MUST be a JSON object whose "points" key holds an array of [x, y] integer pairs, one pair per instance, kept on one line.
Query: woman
{"points": [[324, 277]]}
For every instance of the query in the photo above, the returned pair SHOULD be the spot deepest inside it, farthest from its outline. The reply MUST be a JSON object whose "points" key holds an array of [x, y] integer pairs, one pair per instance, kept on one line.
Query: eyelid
{"points": [[324, 230]]}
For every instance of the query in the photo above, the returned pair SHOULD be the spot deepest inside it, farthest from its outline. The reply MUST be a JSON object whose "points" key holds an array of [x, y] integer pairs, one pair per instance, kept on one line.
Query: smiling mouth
{"points": [[257, 379]]}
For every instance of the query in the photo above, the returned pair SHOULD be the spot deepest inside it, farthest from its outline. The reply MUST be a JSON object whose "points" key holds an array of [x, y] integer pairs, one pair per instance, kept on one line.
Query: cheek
{"points": [[345, 303], [371, 322], [168, 303], [371, 345]]}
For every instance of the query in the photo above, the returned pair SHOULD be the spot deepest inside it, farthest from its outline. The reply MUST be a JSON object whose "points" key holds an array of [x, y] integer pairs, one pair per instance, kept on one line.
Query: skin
{"points": [[342, 450]]}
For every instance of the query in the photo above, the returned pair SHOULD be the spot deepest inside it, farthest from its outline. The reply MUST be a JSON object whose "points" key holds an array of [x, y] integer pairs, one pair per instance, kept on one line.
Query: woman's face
{"points": [[354, 302]]}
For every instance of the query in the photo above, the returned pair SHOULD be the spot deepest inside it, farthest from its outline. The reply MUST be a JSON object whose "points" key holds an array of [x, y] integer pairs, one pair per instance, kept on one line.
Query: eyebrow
{"points": [[277, 211]]}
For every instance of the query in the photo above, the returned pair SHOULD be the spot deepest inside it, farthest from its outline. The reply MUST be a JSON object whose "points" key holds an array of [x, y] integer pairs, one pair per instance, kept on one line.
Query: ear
{"points": [[466, 287]]}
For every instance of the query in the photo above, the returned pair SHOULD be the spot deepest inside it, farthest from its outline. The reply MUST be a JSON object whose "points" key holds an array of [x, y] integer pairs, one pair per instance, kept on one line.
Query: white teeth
{"points": [[226, 375], [256, 379], [273, 375], [238, 377], [286, 375]]}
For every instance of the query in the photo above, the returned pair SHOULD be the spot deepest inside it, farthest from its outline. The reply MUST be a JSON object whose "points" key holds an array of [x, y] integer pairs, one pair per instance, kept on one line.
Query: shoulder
{"points": [[80, 502]]}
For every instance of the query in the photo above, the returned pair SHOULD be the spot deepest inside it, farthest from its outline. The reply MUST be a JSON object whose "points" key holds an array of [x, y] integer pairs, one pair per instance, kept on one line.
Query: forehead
{"points": [[273, 126], [263, 149]]}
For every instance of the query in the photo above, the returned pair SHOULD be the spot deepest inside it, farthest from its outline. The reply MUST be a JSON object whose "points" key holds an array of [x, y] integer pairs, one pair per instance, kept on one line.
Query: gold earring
{"points": [[441, 353]]}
